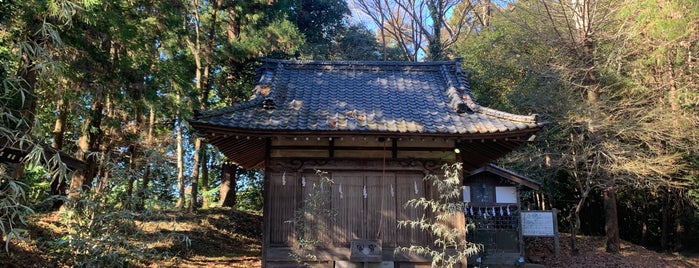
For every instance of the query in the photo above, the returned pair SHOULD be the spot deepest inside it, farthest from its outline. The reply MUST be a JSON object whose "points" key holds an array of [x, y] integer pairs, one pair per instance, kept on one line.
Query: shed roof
{"points": [[508, 174], [13, 151], [331, 98]]}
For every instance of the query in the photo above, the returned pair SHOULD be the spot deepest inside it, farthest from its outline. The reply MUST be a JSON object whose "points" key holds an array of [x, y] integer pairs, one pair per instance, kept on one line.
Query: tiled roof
{"points": [[352, 96]]}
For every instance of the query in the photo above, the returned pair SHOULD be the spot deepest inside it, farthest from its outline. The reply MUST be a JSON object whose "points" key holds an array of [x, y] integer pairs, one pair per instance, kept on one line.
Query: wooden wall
{"points": [[372, 179], [358, 216], [368, 204]]}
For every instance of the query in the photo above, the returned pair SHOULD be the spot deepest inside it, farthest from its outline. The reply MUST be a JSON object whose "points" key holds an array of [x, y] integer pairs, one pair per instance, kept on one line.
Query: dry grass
{"points": [[218, 238], [228, 238]]}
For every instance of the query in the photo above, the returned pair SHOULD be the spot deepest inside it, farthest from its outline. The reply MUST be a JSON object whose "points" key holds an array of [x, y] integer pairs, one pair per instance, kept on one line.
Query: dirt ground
{"points": [[229, 238], [591, 253]]}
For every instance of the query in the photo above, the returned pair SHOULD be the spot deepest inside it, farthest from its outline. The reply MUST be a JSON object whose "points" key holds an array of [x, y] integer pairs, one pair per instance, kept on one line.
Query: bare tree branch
{"points": [[411, 23]]}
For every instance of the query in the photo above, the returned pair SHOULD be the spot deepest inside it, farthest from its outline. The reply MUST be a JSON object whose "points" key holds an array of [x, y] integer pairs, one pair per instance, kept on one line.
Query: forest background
{"points": [[112, 83]]}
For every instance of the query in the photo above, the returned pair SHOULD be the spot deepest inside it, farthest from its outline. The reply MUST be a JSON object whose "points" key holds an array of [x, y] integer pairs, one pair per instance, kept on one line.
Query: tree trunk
{"points": [[88, 143], [575, 225], [140, 205], [201, 85], [486, 13], [198, 152], [679, 233], [141, 194], [59, 125], [644, 226], [611, 225], [228, 185], [128, 197], [151, 126], [665, 225], [205, 176], [103, 177], [583, 23], [180, 162], [59, 185], [435, 47]]}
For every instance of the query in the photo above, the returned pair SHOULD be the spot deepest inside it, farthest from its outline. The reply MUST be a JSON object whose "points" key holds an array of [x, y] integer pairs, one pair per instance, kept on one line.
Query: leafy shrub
{"points": [[99, 236], [12, 211], [449, 246], [308, 221]]}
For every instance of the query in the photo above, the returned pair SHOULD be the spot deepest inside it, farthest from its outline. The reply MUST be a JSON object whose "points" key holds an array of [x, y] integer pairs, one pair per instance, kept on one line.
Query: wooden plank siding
{"points": [[357, 217], [283, 203], [410, 186], [349, 222], [389, 182], [310, 184], [381, 207]]}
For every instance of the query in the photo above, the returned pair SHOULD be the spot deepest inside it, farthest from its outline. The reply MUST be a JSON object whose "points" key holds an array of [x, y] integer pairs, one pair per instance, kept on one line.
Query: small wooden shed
{"points": [[494, 208], [376, 128]]}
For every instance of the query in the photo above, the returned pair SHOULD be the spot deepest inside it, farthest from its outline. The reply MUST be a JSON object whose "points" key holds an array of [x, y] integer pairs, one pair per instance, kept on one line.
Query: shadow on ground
{"points": [[216, 237]]}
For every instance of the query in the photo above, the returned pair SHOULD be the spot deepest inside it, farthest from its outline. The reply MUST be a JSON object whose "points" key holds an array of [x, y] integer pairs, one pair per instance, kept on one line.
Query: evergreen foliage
{"points": [[112, 83], [249, 190], [12, 208]]}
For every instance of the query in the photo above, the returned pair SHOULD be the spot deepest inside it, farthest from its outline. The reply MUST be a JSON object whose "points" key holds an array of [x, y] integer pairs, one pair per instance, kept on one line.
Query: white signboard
{"points": [[506, 194], [538, 223], [467, 194]]}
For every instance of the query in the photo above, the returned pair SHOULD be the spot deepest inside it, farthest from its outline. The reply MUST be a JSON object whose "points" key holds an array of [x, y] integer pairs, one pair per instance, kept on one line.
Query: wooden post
{"points": [[266, 203], [556, 243], [519, 208], [539, 224]]}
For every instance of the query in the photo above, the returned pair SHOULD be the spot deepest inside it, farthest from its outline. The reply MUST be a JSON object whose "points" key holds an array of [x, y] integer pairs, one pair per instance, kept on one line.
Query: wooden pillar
{"points": [[266, 203]]}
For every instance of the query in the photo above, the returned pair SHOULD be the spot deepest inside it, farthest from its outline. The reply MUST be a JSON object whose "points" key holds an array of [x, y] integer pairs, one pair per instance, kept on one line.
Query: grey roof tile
{"points": [[351, 96]]}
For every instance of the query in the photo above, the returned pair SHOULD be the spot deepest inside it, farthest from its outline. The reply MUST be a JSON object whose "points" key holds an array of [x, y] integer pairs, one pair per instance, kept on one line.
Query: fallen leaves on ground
{"points": [[228, 238], [591, 253]]}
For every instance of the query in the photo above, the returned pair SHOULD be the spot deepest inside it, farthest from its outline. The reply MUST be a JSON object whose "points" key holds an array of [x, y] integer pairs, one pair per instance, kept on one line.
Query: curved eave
{"points": [[247, 147], [208, 130]]}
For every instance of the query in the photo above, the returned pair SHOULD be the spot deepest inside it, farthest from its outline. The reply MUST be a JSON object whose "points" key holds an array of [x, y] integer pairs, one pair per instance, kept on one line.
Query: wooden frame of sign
{"points": [[541, 223]]}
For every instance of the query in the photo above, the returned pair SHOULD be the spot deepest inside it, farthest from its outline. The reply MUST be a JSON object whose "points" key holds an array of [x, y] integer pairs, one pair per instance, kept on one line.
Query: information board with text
{"points": [[538, 223]]}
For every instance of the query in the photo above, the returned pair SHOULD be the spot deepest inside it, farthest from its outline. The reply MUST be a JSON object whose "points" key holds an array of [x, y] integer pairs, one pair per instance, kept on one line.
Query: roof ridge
{"points": [[475, 107], [466, 98], [349, 62], [454, 92], [256, 99]]}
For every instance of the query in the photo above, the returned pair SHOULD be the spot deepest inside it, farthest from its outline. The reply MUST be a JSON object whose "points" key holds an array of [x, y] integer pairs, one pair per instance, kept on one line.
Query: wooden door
{"points": [[367, 205], [370, 204]]}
